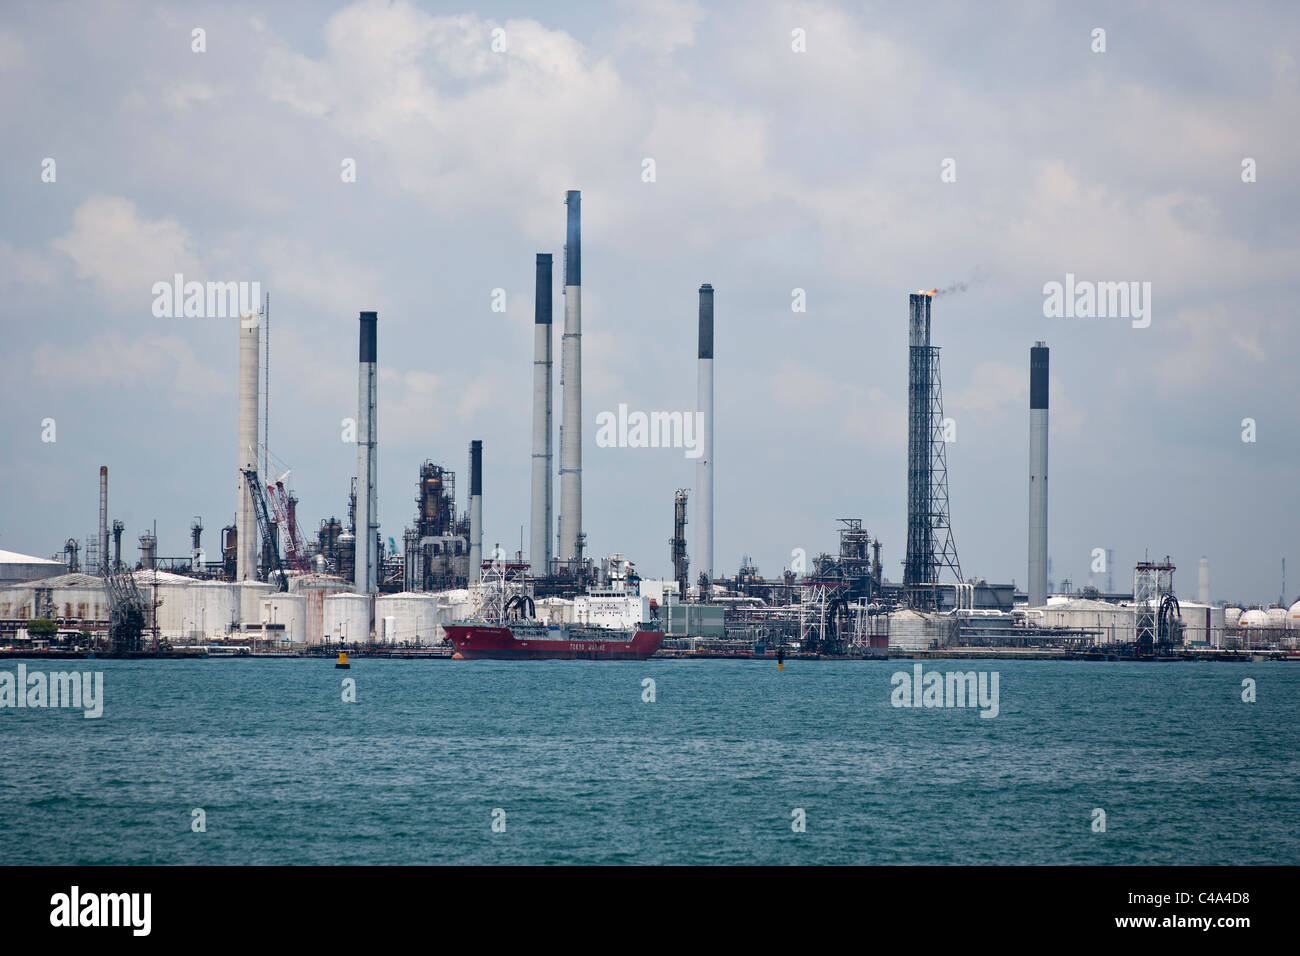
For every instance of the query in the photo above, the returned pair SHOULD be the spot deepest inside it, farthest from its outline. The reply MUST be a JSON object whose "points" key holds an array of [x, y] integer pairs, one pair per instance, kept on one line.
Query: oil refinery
{"points": [[274, 586]]}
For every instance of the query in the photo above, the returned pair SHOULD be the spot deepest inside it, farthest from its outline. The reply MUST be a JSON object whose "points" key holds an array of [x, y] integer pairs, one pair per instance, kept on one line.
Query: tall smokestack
{"points": [[365, 567], [475, 509], [571, 381], [103, 520], [543, 493], [1038, 475], [918, 566], [704, 466], [1203, 582], [246, 536]]}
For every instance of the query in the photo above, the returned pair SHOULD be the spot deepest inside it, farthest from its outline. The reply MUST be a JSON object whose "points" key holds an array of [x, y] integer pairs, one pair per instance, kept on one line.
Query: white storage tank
{"points": [[1254, 618], [315, 588], [1232, 616], [1293, 615], [213, 610], [1115, 623], [285, 620], [250, 594], [172, 594], [347, 619], [912, 631], [1277, 616], [1202, 624], [72, 596], [409, 619]]}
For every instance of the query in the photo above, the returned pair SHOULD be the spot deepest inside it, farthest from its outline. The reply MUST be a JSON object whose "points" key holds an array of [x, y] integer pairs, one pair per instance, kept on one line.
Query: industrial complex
{"points": [[273, 586]]}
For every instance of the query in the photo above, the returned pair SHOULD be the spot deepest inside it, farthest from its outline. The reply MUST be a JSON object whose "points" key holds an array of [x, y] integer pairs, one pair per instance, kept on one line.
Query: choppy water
{"points": [[710, 772]]}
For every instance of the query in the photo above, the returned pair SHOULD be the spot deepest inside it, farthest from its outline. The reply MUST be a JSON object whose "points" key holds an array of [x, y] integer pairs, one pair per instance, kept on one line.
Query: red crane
{"points": [[295, 548]]}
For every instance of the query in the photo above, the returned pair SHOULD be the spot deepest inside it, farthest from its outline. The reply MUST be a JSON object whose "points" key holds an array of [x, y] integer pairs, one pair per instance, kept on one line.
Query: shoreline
{"points": [[441, 654]]}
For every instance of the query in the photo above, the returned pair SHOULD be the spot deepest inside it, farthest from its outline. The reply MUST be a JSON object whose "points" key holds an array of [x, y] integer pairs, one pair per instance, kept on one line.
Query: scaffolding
{"points": [[1157, 613], [930, 545]]}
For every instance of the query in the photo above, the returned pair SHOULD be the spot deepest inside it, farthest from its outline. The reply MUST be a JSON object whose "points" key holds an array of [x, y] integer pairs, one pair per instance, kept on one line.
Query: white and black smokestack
{"points": [[704, 467], [246, 536], [543, 427], [103, 520], [571, 382], [475, 509], [1038, 475], [366, 564]]}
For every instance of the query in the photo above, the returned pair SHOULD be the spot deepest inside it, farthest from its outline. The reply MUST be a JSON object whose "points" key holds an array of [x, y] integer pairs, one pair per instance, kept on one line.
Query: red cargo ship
{"points": [[533, 640]]}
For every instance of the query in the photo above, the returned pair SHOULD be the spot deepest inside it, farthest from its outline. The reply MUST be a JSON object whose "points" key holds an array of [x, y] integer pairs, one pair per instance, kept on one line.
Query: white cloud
{"points": [[123, 253]]}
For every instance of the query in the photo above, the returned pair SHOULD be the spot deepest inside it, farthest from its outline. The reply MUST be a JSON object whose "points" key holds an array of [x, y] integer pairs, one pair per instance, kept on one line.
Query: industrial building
{"points": [[273, 587]]}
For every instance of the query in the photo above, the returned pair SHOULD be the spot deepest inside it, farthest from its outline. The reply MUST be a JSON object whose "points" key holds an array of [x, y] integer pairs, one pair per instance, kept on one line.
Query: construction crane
{"points": [[295, 548], [264, 526]]}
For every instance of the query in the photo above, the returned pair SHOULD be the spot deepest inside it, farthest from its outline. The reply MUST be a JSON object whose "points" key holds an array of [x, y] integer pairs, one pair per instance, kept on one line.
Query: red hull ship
{"points": [[532, 641]]}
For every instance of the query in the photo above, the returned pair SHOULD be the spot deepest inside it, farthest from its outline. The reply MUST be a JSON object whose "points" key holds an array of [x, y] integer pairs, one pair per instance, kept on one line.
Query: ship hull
{"points": [[484, 642]]}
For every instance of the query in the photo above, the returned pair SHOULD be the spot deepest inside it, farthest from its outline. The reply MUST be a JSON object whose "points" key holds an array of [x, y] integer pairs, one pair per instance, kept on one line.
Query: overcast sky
{"points": [[775, 170]]}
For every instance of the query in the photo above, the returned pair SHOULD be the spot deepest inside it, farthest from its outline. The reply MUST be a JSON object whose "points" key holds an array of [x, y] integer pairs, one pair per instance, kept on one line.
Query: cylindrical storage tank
{"points": [[347, 619], [314, 589], [285, 619], [1254, 618], [1202, 623], [76, 596], [171, 592], [410, 619], [1232, 616], [909, 631], [250, 594], [213, 610]]}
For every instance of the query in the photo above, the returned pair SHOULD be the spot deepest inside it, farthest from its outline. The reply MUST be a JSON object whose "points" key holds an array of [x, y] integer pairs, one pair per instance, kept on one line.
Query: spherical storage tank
{"points": [[1277, 616], [1293, 615], [347, 619], [1232, 616], [1254, 618]]}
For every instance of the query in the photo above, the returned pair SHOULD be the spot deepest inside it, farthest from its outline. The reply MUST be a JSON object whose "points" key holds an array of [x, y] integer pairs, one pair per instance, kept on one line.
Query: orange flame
{"points": [[923, 292]]}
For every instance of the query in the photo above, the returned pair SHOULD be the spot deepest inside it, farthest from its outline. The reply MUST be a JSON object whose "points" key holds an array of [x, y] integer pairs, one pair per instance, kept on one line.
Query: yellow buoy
{"points": [[342, 662]]}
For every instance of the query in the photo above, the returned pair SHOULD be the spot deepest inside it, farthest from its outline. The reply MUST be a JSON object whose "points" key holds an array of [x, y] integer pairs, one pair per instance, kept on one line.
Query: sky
{"points": [[856, 152]]}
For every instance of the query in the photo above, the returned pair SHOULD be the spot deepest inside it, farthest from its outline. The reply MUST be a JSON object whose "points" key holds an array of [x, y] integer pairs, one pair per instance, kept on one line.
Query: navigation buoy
{"points": [[342, 662], [780, 658]]}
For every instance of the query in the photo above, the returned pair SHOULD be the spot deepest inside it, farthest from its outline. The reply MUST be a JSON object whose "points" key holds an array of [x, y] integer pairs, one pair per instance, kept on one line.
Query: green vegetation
{"points": [[42, 627]]}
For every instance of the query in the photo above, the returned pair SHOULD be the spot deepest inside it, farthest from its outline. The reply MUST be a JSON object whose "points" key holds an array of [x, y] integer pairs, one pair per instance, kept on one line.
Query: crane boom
{"points": [[264, 527]]}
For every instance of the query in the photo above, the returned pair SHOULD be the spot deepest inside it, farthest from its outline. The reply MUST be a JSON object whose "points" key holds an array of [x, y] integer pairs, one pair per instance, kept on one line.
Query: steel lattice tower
{"points": [[930, 545]]}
